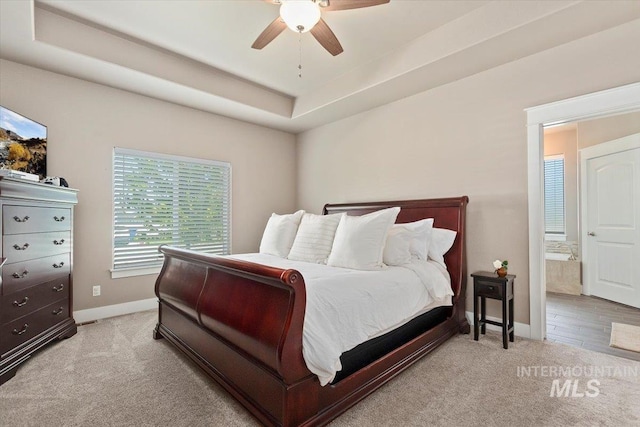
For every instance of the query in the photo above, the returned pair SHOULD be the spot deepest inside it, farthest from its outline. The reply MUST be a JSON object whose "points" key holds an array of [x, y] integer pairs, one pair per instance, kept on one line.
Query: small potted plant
{"points": [[501, 267]]}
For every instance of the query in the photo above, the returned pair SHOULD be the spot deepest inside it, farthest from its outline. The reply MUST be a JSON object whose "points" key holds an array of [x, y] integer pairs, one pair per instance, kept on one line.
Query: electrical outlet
{"points": [[96, 291]]}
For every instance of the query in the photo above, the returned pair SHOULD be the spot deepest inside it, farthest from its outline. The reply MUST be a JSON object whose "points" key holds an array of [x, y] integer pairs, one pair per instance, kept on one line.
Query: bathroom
{"points": [[563, 195], [580, 304], [562, 263]]}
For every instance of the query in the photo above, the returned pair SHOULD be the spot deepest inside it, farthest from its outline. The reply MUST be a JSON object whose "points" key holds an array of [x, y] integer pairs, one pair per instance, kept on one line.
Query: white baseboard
{"points": [[91, 314], [520, 329]]}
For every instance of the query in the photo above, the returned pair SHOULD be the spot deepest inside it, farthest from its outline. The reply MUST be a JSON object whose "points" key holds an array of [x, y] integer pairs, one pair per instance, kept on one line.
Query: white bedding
{"points": [[348, 307]]}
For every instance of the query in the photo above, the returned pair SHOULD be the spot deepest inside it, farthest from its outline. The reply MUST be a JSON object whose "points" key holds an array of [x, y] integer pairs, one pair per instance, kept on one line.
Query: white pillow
{"points": [[441, 241], [397, 248], [315, 238], [419, 234], [421, 237], [279, 234], [360, 240]]}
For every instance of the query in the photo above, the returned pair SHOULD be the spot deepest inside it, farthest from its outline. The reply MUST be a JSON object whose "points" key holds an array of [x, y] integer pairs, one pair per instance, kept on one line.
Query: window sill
{"points": [[119, 274], [555, 237]]}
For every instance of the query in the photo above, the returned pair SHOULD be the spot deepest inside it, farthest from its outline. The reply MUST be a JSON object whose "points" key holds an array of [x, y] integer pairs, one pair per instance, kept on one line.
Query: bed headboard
{"points": [[447, 213]]}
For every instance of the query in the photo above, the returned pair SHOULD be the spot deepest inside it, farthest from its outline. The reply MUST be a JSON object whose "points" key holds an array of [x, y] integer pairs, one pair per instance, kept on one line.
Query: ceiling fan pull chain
{"points": [[300, 47]]}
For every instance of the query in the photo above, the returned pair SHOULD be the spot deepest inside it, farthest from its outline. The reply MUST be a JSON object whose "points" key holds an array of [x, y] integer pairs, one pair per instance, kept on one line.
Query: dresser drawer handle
{"points": [[491, 288], [58, 265], [20, 276], [21, 248], [57, 312], [58, 219], [18, 219], [21, 331], [59, 288], [58, 242], [21, 303]]}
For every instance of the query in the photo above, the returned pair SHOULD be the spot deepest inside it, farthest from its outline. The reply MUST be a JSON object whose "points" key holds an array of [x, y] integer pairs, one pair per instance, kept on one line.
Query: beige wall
{"points": [[85, 121], [593, 132], [566, 142], [467, 137]]}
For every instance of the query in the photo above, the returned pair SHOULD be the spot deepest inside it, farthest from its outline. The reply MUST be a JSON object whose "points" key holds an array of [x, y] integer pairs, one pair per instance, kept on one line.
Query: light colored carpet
{"points": [[113, 373], [626, 337]]}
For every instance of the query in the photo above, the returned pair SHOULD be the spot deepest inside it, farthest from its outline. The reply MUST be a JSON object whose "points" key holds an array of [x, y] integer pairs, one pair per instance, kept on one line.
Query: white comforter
{"points": [[347, 307]]}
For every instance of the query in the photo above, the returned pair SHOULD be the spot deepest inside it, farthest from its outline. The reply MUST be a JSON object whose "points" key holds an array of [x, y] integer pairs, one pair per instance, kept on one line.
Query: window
{"points": [[160, 199], [554, 195]]}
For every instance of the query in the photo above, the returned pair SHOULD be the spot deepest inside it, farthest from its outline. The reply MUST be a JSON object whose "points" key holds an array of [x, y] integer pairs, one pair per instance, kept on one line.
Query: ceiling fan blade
{"points": [[271, 32], [326, 38], [352, 4]]}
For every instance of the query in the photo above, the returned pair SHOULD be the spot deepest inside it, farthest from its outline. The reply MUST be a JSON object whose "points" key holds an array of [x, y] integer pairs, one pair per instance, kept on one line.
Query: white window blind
{"points": [[554, 194], [160, 199]]}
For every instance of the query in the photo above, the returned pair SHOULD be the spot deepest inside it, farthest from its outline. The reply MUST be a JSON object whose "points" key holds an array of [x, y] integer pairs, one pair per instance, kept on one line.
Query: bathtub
{"points": [[562, 274], [557, 256]]}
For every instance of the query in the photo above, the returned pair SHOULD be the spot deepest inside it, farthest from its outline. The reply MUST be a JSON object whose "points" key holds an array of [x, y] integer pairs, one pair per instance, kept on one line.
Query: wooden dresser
{"points": [[36, 287]]}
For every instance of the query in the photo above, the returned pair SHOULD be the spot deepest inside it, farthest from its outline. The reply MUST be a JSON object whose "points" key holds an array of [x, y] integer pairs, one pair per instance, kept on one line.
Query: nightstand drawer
{"points": [[489, 289]]}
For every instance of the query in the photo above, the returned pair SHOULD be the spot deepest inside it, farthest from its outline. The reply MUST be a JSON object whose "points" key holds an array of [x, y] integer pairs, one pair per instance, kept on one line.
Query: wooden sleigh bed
{"points": [[242, 323]]}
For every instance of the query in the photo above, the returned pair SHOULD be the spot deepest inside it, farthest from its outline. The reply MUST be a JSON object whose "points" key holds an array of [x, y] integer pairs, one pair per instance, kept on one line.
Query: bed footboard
{"points": [[238, 309]]}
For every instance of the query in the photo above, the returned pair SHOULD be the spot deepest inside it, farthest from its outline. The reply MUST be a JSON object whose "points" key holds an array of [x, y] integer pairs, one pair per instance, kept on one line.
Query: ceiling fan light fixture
{"points": [[300, 15]]}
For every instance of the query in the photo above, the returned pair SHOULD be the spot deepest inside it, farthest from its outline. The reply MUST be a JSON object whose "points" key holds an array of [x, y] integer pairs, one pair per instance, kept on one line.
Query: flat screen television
{"points": [[23, 144]]}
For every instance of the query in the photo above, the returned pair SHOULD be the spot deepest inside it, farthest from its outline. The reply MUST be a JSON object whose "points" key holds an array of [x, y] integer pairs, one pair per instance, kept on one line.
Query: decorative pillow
{"points": [[397, 248], [441, 241], [359, 240], [421, 237], [315, 238], [279, 234]]}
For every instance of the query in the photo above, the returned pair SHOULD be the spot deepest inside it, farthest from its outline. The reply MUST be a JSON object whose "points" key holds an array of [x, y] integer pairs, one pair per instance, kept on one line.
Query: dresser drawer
{"points": [[15, 333], [23, 247], [30, 219], [489, 289], [21, 275], [26, 301]]}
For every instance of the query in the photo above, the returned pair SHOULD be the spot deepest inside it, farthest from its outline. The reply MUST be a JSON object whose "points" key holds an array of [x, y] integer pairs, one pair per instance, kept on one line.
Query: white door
{"points": [[613, 226]]}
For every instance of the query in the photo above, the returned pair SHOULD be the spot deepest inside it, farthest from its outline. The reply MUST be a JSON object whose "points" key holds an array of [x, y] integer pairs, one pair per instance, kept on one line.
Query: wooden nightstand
{"points": [[489, 285]]}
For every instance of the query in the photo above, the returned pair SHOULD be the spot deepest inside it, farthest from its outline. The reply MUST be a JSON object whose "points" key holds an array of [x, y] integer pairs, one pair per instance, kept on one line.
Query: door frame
{"points": [[629, 142], [623, 99]]}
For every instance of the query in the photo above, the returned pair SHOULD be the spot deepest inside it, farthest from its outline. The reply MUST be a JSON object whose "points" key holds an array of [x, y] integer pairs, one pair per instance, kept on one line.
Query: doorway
{"points": [[580, 308], [610, 102]]}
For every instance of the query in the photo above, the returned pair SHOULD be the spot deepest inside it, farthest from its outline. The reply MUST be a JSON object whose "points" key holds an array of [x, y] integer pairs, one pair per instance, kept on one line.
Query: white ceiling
{"points": [[198, 54]]}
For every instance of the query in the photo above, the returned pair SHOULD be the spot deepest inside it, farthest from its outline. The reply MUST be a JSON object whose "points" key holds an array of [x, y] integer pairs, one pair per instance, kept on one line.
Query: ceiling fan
{"points": [[305, 15]]}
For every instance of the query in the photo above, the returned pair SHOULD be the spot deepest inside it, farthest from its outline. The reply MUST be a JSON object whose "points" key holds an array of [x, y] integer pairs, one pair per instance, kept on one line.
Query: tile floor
{"points": [[584, 321]]}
